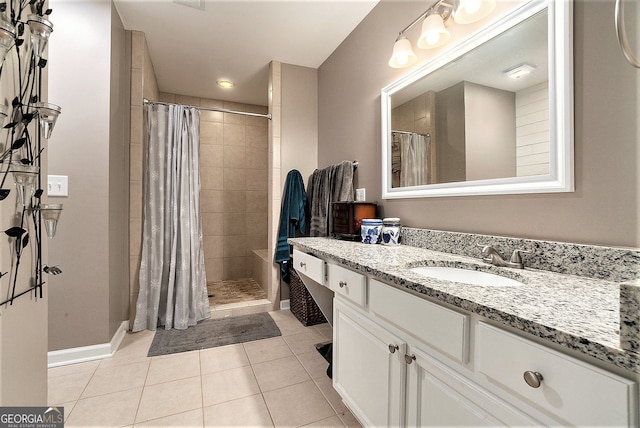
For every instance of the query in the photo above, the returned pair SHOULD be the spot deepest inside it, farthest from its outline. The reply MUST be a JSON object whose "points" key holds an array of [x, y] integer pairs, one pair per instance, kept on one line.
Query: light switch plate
{"points": [[58, 185], [361, 195]]}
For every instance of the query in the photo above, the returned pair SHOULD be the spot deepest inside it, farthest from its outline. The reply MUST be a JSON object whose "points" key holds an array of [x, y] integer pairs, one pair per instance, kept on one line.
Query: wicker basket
{"points": [[302, 304]]}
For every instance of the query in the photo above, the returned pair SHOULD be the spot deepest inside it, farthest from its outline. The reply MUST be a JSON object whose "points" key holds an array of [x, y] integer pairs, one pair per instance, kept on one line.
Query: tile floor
{"points": [[277, 382]]}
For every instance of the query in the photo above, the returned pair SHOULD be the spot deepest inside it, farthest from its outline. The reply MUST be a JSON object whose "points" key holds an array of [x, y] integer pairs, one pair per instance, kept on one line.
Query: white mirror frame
{"points": [[560, 51]]}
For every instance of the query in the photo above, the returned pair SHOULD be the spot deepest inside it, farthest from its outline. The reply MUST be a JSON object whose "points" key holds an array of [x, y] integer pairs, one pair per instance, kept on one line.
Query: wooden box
{"points": [[347, 217]]}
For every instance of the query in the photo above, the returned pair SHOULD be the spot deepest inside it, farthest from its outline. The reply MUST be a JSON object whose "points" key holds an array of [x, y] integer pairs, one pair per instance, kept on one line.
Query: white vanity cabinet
{"points": [[401, 360], [575, 392], [437, 395], [368, 367]]}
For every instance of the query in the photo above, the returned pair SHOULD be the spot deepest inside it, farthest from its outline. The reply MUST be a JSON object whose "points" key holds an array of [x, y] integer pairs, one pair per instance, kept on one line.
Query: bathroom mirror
{"points": [[491, 115]]}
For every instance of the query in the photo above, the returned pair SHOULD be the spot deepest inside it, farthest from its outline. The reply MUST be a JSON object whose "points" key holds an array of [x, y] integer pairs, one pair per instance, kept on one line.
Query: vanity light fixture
{"points": [[403, 55], [434, 33], [226, 84], [519, 71]]}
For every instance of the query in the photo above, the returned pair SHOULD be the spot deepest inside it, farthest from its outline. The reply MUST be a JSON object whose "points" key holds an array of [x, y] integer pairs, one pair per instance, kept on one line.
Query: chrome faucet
{"points": [[490, 255]]}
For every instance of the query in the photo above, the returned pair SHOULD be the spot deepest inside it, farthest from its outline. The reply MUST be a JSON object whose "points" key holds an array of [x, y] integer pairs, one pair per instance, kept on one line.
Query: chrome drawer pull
{"points": [[393, 348], [342, 284], [303, 264], [533, 379], [409, 358]]}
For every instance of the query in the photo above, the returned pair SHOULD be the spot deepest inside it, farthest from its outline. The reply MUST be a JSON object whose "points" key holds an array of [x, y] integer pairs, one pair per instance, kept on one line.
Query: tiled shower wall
{"points": [[233, 180]]}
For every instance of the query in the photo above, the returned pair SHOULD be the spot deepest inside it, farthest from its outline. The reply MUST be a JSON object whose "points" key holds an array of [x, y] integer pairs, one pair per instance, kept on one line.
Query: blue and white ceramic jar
{"points": [[370, 230], [391, 229]]}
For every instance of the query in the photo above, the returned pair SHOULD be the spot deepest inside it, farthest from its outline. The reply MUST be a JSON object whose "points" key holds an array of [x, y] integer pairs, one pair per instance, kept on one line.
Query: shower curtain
{"points": [[414, 155], [173, 286]]}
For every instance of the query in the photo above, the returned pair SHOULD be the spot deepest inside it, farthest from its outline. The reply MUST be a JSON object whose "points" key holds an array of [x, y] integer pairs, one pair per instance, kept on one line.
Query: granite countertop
{"points": [[576, 312]]}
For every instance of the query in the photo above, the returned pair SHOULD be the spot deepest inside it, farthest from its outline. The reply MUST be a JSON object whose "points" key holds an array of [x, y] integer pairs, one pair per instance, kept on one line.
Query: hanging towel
{"points": [[292, 218], [328, 185], [320, 194]]}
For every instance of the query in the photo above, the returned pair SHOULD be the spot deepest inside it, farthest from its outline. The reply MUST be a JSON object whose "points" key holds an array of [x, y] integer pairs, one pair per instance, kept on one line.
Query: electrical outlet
{"points": [[361, 195], [58, 185]]}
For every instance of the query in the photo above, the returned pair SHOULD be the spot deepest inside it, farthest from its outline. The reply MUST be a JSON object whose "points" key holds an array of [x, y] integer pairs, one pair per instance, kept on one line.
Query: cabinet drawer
{"points": [[309, 265], [349, 284], [439, 327], [574, 391]]}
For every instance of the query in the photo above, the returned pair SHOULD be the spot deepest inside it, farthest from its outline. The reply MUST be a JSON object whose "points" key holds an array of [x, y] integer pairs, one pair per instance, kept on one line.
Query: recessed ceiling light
{"points": [[225, 84], [519, 71]]}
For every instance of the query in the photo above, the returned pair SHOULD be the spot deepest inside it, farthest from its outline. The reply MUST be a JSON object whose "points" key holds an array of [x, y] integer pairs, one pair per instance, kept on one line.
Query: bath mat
{"points": [[214, 332]]}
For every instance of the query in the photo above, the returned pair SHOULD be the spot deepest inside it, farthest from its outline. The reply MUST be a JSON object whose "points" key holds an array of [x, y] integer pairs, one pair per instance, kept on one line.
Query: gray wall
{"points": [[299, 128], [299, 133], [604, 207], [120, 98], [490, 131], [87, 301]]}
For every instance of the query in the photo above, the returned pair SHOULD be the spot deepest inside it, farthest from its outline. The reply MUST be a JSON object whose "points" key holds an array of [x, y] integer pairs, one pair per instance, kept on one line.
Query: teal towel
{"points": [[292, 219]]}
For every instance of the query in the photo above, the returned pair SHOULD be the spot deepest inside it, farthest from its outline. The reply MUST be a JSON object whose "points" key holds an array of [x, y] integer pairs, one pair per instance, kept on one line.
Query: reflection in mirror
{"points": [[483, 117]]}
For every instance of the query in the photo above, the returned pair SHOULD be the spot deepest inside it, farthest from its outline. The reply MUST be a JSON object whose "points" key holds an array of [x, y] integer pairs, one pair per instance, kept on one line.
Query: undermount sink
{"points": [[466, 276]]}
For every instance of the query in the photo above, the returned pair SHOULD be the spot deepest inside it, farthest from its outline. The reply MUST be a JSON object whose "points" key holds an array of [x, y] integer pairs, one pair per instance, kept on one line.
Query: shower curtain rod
{"points": [[409, 133], [223, 110]]}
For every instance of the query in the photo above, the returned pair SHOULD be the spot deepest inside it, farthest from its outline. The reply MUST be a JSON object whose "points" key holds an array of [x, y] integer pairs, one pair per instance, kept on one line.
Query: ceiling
{"points": [[236, 40]]}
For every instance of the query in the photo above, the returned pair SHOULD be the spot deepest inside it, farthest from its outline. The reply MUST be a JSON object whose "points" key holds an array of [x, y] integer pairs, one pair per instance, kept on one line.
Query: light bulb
{"points": [[432, 37], [472, 6]]}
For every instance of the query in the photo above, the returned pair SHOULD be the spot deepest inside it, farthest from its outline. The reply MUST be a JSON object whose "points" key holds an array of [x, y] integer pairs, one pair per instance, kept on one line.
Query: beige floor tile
{"points": [[332, 422], [190, 419], [223, 358], [280, 373], [297, 405], [165, 399], [68, 408], [170, 367], [304, 342], [262, 305], [326, 387], [63, 389], [244, 412], [89, 366], [324, 329], [228, 385], [287, 322], [114, 379], [349, 420], [133, 349], [314, 363], [260, 351], [110, 410]]}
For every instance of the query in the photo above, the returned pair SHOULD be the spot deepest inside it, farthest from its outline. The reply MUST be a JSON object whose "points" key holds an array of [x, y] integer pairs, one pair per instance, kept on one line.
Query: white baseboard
{"points": [[285, 304], [81, 354]]}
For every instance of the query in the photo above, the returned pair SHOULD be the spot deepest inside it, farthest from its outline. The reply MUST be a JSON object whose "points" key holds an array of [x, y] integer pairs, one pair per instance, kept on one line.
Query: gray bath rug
{"points": [[214, 332]]}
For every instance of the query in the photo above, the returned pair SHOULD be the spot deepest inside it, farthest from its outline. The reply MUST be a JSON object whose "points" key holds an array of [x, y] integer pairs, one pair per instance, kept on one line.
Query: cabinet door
{"points": [[368, 369], [438, 396]]}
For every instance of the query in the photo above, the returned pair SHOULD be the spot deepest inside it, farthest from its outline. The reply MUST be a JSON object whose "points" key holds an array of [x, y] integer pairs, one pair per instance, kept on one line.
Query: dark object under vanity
{"points": [[347, 217]]}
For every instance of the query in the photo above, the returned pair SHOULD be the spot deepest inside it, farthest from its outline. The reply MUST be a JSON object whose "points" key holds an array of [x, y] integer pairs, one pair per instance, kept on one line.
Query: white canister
{"points": [[370, 230], [391, 230]]}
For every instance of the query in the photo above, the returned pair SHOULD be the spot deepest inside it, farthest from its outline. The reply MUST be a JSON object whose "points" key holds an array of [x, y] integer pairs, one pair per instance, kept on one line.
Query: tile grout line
{"points": [[273, 422], [201, 386], [144, 384]]}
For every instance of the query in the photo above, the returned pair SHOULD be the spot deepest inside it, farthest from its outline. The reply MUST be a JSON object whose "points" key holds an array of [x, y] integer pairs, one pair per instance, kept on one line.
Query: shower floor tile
{"points": [[234, 291]]}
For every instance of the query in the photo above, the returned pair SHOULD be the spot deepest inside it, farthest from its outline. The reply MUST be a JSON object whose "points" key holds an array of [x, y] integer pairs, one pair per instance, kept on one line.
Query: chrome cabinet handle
{"points": [[342, 284], [303, 264], [533, 379], [409, 358], [393, 348]]}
